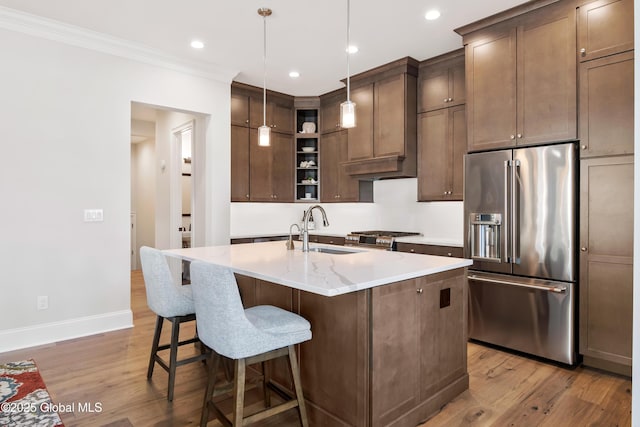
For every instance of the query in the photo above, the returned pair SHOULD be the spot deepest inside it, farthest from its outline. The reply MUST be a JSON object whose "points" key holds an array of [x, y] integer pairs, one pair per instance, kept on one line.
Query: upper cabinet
{"points": [[521, 79], [330, 110], [441, 82], [383, 143], [247, 108], [605, 27], [261, 174]]}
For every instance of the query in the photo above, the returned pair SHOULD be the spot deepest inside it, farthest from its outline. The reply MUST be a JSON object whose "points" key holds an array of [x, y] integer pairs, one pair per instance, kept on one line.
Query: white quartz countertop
{"points": [[321, 273]]}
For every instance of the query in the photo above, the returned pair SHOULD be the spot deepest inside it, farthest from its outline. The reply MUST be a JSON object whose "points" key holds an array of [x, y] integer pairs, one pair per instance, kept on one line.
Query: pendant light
{"points": [[348, 108], [264, 131]]}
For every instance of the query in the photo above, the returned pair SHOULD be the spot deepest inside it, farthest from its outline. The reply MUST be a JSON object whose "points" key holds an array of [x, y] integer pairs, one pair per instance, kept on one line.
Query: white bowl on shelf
{"points": [[308, 149]]}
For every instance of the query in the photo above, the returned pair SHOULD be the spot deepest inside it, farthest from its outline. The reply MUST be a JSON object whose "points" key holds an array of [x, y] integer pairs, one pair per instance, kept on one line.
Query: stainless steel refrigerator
{"points": [[520, 231]]}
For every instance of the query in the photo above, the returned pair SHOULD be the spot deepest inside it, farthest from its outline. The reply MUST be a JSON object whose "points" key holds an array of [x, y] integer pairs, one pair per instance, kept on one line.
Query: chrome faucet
{"points": [[305, 225]]}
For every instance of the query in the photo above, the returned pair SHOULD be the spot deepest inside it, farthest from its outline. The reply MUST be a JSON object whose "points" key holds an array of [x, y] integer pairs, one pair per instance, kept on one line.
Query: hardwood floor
{"points": [[505, 389]]}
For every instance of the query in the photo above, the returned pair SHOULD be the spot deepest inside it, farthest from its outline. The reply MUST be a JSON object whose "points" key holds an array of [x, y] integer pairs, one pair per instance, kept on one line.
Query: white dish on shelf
{"points": [[308, 149], [308, 127]]}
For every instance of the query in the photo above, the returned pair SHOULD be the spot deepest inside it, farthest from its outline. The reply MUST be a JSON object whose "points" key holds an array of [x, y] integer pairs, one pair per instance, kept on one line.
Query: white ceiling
{"points": [[308, 36]]}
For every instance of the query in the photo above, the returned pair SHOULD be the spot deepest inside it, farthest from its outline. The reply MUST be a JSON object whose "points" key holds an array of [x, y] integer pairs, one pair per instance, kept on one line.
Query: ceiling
{"points": [[302, 35]]}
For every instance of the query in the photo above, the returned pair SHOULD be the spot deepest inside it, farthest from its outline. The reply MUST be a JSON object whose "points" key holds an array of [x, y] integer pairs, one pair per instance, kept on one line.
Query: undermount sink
{"points": [[333, 251]]}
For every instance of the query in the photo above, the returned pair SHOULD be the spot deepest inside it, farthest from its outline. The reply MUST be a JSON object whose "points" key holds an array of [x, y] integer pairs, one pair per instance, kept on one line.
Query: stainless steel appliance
{"points": [[378, 239], [520, 230]]}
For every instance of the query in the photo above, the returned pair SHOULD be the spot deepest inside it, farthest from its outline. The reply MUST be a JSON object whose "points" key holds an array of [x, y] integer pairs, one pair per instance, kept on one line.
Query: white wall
{"points": [[65, 148], [395, 208], [143, 195]]}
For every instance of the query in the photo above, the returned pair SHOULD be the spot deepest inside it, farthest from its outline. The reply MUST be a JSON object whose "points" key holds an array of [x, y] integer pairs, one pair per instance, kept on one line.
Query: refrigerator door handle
{"points": [[506, 255], [515, 212], [559, 289]]}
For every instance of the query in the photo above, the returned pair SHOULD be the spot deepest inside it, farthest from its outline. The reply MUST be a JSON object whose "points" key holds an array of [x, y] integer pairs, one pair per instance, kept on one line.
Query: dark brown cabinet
{"points": [[261, 174], [606, 262], [441, 82], [521, 80], [419, 324], [240, 141], [271, 174], [606, 106], [605, 27], [330, 110], [336, 184], [442, 143], [383, 143]]}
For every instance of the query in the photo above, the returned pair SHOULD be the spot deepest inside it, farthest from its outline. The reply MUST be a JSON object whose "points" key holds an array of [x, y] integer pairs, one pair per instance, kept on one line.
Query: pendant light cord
{"points": [[348, 46], [264, 75]]}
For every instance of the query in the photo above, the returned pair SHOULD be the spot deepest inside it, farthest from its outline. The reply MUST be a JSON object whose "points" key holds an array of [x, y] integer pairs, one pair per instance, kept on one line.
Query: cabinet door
{"points": [[605, 27], [282, 167], [606, 106], [239, 109], [336, 185], [450, 306], [441, 149], [390, 107], [491, 91], [433, 155], [330, 166], [260, 166], [442, 86], [256, 108], [606, 258], [458, 129], [395, 343], [546, 77], [361, 136], [239, 164], [281, 117], [330, 113]]}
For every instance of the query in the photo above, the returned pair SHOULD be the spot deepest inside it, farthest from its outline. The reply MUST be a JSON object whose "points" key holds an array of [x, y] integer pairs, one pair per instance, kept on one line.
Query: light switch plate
{"points": [[93, 215]]}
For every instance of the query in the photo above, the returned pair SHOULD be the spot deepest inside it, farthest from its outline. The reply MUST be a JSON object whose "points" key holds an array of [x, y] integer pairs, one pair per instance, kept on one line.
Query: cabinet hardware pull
{"points": [[412, 250], [449, 254], [583, 249], [519, 135], [450, 99], [246, 121], [246, 195], [419, 290], [445, 100], [512, 137], [584, 147], [583, 51]]}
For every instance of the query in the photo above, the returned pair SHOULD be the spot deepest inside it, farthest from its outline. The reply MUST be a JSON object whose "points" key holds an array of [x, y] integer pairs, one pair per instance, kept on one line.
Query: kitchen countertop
{"points": [[321, 273]]}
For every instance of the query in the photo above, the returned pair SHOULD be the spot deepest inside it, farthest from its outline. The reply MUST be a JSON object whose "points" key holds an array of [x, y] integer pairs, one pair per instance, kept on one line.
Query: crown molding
{"points": [[37, 26]]}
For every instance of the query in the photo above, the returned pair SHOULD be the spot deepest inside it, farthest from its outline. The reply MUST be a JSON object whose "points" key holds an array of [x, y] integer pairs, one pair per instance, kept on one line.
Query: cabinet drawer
{"points": [[452, 251]]}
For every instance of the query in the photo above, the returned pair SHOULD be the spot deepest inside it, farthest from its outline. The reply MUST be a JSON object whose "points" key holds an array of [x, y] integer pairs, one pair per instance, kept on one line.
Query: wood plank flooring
{"points": [[505, 389]]}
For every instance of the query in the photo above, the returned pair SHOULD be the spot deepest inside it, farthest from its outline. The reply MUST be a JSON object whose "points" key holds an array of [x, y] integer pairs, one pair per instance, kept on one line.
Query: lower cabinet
{"points": [[418, 346], [393, 354], [606, 262]]}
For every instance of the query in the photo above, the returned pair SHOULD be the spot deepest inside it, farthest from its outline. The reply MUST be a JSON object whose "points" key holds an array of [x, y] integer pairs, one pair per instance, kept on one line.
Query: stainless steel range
{"points": [[378, 239]]}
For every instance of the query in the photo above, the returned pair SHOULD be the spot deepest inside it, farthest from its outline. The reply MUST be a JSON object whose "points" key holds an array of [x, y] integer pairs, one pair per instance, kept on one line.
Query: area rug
{"points": [[24, 399]]}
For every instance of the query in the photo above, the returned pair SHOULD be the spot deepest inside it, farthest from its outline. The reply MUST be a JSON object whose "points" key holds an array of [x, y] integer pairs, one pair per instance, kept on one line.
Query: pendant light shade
{"points": [[348, 108], [264, 131]]}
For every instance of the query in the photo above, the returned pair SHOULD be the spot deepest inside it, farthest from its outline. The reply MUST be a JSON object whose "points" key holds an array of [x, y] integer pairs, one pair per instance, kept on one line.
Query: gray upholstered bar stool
{"points": [[247, 336], [170, 302]]}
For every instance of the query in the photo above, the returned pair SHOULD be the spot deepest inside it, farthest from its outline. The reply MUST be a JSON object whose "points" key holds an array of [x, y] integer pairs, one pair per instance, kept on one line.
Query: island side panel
{"points": [[335, 362], [418, 347]]}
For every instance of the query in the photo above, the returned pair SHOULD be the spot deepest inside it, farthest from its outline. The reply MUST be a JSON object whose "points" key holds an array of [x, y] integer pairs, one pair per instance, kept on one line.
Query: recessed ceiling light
{"points": [[432, 15], [352, 49], [197, 44], [294, 74]]}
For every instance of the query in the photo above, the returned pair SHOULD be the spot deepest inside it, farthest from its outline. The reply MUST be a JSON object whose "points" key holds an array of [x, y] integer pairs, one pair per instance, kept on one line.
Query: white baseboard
{"points": [[47, 333]]}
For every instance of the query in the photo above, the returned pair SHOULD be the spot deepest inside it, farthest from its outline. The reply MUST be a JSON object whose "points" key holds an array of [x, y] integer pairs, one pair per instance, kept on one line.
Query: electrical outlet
{"points": [[43, 302]]}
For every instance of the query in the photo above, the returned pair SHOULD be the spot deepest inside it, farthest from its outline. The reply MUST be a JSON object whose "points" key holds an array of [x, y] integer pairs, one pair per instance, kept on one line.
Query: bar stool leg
{"points": [[173, 355], [238, 392], [266, 377], [212, 367], [295, 373], [154, 346]]}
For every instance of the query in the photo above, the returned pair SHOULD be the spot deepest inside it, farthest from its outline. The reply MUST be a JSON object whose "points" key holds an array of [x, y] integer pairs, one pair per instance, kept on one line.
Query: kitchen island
{"points": [[389, 328]]}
